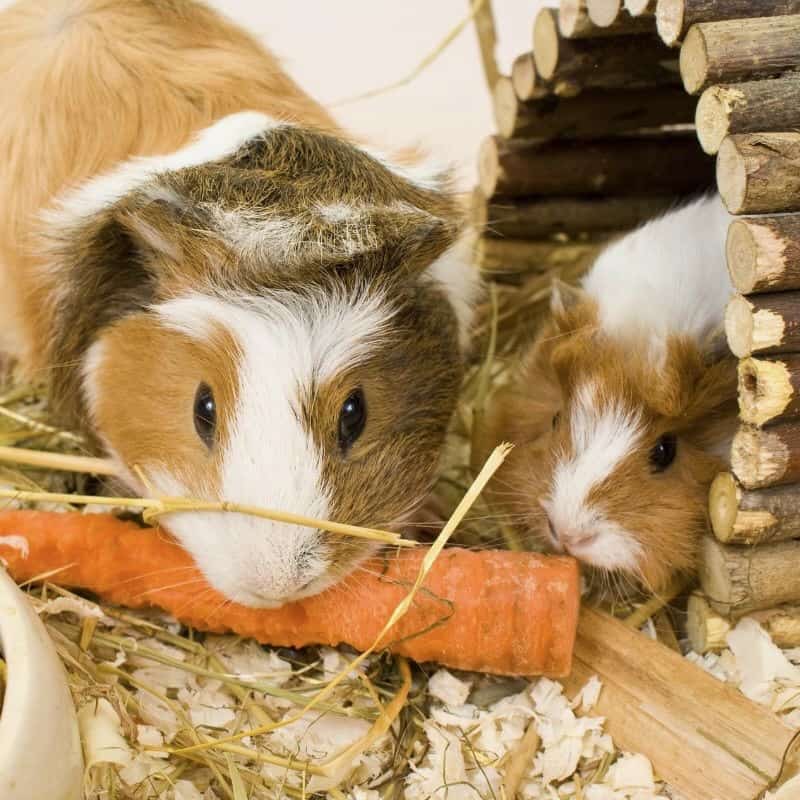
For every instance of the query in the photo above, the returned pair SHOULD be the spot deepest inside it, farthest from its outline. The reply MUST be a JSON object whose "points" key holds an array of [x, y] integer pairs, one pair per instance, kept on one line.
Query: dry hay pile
{"points": [[168, 713]]}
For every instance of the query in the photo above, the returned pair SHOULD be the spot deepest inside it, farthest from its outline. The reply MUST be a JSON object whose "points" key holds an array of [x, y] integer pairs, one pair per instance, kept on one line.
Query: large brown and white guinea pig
{"points": [[624, 408], [231, 297]]}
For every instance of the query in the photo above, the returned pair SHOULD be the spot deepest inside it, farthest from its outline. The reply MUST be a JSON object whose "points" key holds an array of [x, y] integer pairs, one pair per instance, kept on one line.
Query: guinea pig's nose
{"points": [[567, 540]]}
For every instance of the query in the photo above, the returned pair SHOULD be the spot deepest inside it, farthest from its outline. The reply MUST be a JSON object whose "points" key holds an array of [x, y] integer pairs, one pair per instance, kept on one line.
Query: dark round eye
{"points": [[663, 454], [556, 419], [205, 414], [352, 419]]}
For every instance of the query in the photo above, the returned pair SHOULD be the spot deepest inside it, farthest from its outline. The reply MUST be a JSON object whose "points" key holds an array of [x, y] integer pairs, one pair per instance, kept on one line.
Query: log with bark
{"points": [[763, 324], [657, 703], [525, 81], [534, 218], [759, 173], [669, 164], [739, 516], [763, 457], [767, 106], [764, 253], [769, 389], [738, 50], [707, 629], [738, 579], [592, 114], [675, 17], [612, 62]]}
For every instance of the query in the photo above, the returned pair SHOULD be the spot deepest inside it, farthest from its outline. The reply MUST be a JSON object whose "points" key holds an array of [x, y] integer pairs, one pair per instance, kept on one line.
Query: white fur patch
{"points": [[287, 347], [340, 212], [457, 273], [90, 367], [602, 437], [669, 276], [257, 234], [428, 174], [218, 141], [349, 230]]}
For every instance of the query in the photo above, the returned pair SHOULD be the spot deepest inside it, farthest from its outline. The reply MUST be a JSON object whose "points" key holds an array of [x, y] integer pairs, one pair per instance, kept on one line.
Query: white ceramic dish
{"points": [[40, 749]]}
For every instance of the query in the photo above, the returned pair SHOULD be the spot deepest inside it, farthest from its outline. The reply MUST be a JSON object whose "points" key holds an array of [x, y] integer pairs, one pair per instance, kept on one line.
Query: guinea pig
{"points": [[625, 406], [227, 294]]}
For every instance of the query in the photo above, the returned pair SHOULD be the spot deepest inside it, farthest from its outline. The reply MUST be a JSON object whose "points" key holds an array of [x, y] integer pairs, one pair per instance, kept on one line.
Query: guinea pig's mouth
{"points": [[254, 599]]}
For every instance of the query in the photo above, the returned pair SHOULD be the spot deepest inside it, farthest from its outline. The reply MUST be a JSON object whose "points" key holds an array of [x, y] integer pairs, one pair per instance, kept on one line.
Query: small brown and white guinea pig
{"points": [[624, 408], [232, 298]]}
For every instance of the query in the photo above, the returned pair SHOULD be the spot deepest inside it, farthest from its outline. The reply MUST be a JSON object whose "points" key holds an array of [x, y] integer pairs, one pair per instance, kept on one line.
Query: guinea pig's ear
{"points": [[96, 271], [151, 230]]}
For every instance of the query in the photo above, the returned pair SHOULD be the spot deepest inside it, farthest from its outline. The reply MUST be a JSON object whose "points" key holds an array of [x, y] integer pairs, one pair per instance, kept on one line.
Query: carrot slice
{"points": [[507, 613]]}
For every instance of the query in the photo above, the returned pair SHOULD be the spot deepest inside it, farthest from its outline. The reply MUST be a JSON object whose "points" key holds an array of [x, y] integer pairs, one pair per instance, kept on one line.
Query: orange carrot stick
{"points": [[508, 613]]}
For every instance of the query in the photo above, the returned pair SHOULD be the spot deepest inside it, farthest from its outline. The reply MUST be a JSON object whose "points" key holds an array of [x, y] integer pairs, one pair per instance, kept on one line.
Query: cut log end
{"points": [[638, 8], [570, 17], [604, 13], [742, 255], [761, 457], [479, 211], [714, 576], [707, 630], [523, 78], [711, 119], [765, 390], [694, 61], [739, 326], [669, 20], [488, 166], [506, 107], [731, 176], [723, 505], [545, 43]]}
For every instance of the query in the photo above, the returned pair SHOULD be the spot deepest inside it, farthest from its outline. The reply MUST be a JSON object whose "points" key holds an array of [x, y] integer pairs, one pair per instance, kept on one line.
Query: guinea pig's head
{"points": [[618, 439], [272, 317]]}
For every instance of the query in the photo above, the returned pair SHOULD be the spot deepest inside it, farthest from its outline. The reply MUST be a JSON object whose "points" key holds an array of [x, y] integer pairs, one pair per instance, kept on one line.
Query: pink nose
{"points": [[568, 539]]}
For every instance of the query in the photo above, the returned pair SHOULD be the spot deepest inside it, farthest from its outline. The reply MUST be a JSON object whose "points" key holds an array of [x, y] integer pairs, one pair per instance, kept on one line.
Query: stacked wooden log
{"points": [[595, 136], [741, 57]]}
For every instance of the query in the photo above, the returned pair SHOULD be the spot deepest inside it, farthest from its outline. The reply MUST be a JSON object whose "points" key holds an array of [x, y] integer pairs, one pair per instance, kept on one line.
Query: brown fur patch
{"points": [[147, 411], [390, 468]]}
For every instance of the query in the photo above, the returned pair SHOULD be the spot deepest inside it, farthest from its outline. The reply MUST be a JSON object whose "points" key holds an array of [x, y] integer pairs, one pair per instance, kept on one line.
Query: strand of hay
{"points": [[475, 9], [155, 507]]}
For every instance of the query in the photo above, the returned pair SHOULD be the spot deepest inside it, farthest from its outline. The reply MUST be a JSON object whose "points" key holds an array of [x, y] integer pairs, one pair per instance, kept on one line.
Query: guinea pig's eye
{"points": [[205, 414], [352, 419], [663, 454], [556, 419]]}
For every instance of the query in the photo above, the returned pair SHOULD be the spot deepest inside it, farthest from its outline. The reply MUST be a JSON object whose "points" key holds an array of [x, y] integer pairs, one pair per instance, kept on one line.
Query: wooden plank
{"points": [[703, 737]]}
